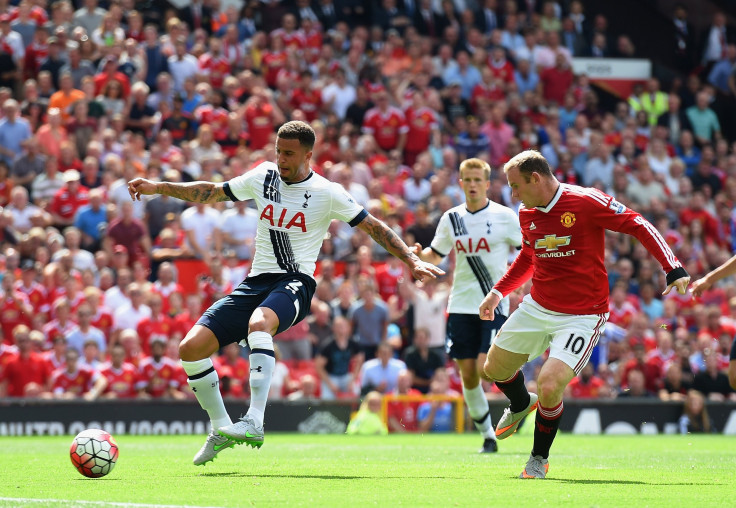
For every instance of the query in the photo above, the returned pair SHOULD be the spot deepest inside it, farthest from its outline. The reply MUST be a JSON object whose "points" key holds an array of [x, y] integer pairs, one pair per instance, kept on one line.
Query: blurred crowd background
{"points": [[98, 290]]}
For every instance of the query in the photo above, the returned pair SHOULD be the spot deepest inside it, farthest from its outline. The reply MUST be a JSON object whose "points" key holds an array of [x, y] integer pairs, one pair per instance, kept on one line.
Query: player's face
{"points": [[292, 159], [521, 190], [475, 186]]}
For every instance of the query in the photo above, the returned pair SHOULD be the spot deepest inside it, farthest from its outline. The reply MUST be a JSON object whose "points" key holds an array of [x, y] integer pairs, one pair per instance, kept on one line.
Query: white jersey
{"points": [[293, 218], [481, 242]]}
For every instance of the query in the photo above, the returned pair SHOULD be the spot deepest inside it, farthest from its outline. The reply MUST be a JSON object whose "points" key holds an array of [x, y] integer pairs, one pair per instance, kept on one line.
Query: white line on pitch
{"points": [[73, 502]]}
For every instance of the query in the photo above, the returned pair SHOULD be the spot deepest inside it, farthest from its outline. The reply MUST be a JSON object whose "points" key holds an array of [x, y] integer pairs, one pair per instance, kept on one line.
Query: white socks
{"points": [[475, 398], [205, 384], [262, 364]]}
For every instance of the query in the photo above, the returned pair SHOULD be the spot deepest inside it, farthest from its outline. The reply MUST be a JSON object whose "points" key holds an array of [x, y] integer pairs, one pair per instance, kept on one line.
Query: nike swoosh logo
{"points": [[248, 434], [217, 447]]}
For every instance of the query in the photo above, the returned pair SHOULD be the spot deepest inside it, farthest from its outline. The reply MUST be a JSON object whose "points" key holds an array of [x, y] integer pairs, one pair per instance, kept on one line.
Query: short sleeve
{"points": [[243, 187], [442, 241], [513, 236], [344, 206]]}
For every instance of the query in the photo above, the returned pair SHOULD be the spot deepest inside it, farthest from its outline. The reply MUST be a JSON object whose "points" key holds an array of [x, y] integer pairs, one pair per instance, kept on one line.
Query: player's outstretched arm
{"points": [[196, 192], [704, 284], [386, 238]]}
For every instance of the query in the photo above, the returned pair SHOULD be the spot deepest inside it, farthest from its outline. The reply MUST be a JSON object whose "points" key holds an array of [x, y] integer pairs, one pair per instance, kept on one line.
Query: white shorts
{"points": [[531, 329]]}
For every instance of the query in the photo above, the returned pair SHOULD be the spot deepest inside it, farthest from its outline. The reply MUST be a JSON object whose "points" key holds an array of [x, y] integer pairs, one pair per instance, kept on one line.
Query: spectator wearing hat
{"points": [[68, 199]]}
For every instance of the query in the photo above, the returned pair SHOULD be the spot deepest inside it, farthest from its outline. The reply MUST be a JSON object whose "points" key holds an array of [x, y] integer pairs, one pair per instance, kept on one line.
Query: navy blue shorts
{"points": [[468, 335], [289, 295]]}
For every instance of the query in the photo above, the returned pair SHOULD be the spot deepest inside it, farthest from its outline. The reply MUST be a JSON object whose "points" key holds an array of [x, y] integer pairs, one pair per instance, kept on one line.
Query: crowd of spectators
{"points": [[398, 92]]}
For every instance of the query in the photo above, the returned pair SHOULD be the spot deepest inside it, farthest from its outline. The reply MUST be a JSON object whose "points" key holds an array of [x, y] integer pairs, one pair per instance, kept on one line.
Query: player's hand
{"points": [[700, 286], [423, 271], [416, 249], [139, 187], [487, 309], [681, 285]]}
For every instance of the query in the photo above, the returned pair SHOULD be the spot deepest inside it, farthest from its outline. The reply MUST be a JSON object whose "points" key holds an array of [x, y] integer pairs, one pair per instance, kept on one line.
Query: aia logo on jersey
{"points": [[470, 248], [296, 221], [568, 219]]}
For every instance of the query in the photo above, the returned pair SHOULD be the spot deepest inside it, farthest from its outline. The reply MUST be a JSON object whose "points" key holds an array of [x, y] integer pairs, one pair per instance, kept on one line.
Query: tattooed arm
{"points": [[386, 238], [196, 192]]}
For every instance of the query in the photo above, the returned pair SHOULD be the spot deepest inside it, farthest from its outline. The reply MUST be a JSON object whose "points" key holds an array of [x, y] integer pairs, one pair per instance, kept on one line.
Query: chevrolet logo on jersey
{"points": [[552, 242]]}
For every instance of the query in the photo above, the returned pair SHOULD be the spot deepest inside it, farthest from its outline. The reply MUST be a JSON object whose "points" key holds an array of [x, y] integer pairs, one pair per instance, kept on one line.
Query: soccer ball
{"points": [[94, 453]]}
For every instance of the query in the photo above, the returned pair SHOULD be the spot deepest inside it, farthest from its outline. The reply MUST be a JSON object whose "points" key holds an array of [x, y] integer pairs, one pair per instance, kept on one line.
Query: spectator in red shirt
{"points": [[156, 327], [27, 375], [587, 385], [68, 199], [262, 115], [423, 123], [230, 362], [386, 123], [109, 73], [121, 376], [74, 381], [15, 308], [307, 98], [158, 374], [402, 415], [556, 81], [129, 232]]}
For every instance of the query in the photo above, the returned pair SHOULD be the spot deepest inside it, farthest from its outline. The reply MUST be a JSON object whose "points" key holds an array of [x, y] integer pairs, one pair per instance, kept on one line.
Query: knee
{"points": [[197, 345], [488, 372], [549, 391], [470, 379], [188, 350]]}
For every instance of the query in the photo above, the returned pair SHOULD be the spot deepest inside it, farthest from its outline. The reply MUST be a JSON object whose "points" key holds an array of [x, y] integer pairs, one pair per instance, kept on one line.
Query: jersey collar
{"points": [[488, 203], [551, 204], [300, 181]]}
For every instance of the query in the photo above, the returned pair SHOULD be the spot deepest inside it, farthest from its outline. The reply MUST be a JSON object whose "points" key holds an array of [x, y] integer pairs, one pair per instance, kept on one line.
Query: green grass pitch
{"points": [[396, 470]]}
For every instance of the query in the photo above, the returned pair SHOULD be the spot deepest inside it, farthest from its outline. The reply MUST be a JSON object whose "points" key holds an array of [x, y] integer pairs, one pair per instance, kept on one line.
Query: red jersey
{"points": [[121, 381], [19, 372], [272, 63], [54, 329], [486, 94], [294, 39], [157, 377], [260, 124], [309, 101], [502, 70], [165, 291], [65, 204], [562, 249], [621, 316], [405, 412], [589, 390], [149, 330], [214, 117], [36, 294], [312, 44], [7, 353], [103, 321], [78, 383], [216, 67], [421, 123], [388, 280], [385, 126], [54, 362], [12, 314], [238, 373], [183, 323]]}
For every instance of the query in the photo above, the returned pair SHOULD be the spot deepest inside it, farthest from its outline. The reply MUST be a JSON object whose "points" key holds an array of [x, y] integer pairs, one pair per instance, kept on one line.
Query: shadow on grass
{"points": [[623, 482], [324, 477]]}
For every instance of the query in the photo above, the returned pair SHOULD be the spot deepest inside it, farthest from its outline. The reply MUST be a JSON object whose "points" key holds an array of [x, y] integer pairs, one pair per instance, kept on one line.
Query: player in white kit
{"points": [[296, 207], [481, 233]]}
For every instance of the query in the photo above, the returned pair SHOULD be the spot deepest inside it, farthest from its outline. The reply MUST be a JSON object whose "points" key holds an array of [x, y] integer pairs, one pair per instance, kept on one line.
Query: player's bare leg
{"points": [[262, 326], [475, 399], [553, 378], [502, 367], [195, 351]]}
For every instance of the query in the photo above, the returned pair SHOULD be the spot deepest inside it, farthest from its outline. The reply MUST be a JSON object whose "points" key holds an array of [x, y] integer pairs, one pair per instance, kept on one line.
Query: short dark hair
{"points": [[528, 162], [298, 130]]}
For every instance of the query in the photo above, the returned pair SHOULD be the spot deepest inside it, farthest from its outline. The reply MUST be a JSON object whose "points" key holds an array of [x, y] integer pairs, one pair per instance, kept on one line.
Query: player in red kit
{"points": [[562, 251]]}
